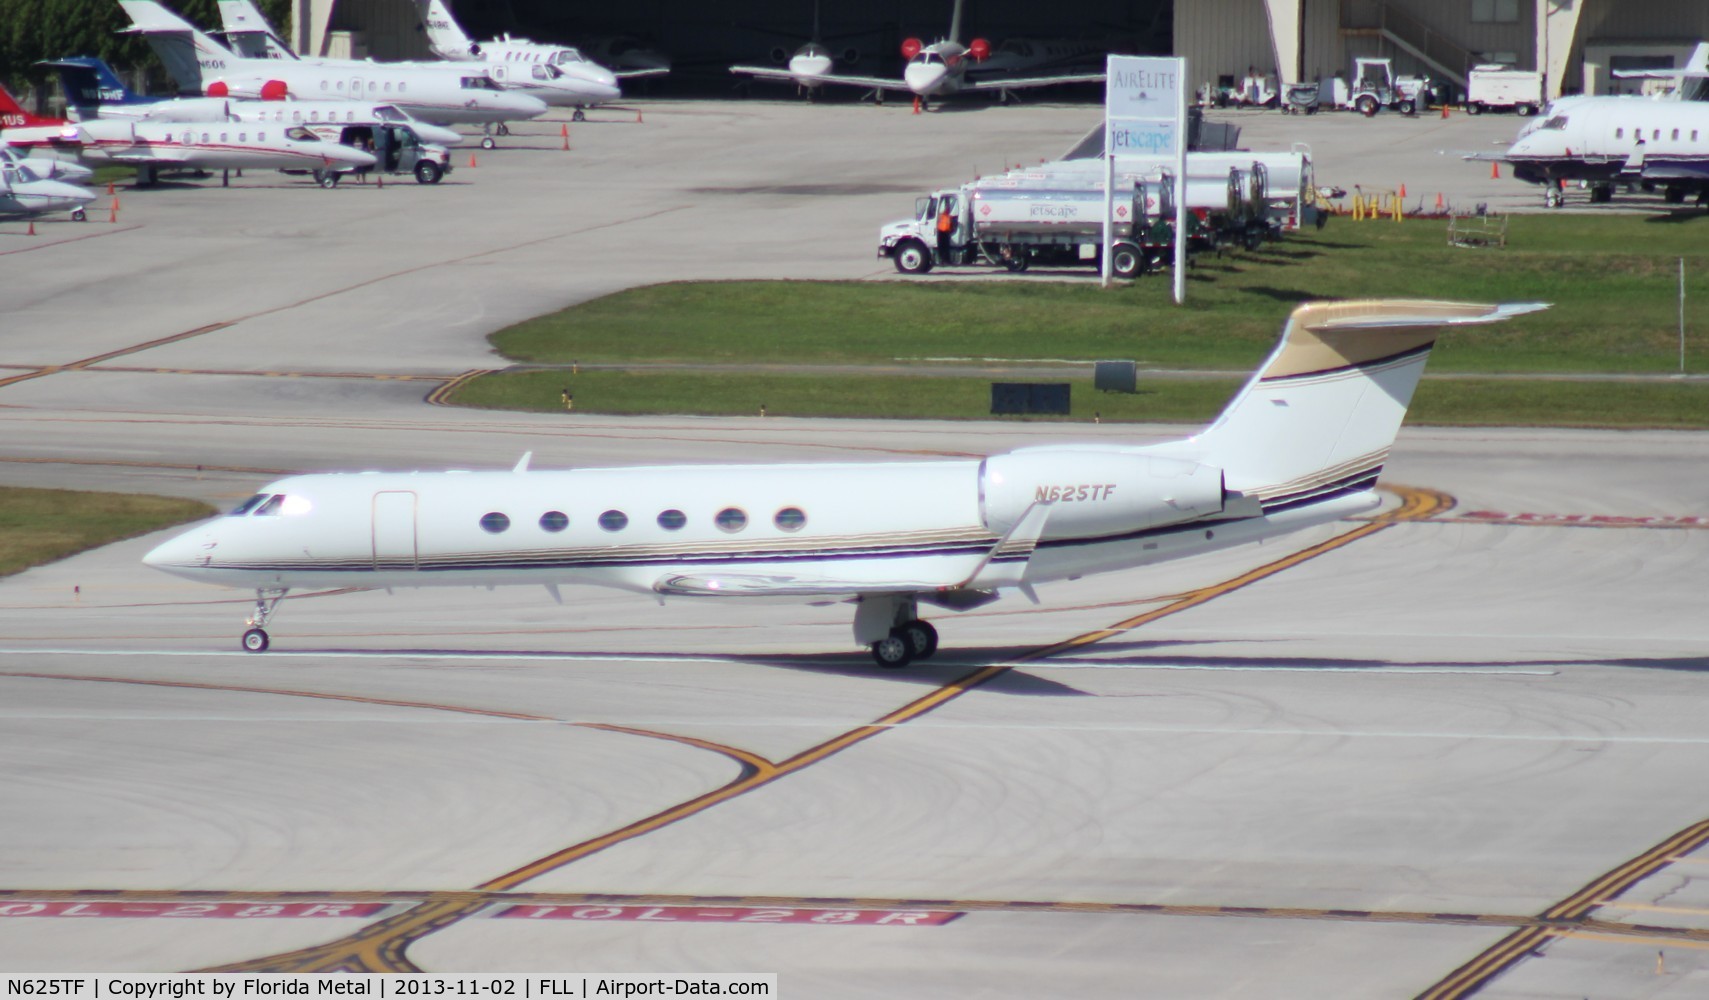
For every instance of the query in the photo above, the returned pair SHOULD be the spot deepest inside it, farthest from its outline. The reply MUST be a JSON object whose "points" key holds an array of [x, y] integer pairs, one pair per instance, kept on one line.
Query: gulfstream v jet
{"points": [[1300, 445]]}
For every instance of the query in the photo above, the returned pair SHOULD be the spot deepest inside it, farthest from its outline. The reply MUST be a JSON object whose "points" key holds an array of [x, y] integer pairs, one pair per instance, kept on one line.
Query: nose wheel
{"points": [[256, 640]]}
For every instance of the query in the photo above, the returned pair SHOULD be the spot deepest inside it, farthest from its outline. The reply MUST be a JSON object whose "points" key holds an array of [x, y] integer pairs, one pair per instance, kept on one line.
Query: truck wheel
{"points": [[428, 172], [326, 178], [1017, 264], [1474, 108], [1408, 108], [1526, 110], [1366, 105], [912, 257], [1126, 261]]}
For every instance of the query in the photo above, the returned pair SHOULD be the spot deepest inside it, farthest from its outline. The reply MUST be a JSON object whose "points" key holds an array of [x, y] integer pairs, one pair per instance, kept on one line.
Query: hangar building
{"points": [[1577, 43]]}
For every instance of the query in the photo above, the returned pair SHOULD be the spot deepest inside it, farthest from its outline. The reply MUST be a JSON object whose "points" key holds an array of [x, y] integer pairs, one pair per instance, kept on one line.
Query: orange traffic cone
{"points": [[916, 103], [1494, 170], [1444, 109], [109, 188], [471, 161], [32, 231], [1403, 190], [638, 119], [564, 130], [1438, 203], [113, 214]]}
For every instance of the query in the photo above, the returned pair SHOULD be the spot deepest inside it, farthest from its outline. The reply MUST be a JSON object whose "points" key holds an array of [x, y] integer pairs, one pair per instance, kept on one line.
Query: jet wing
{"points": [[630, 74], [1023, 82], [1004, 565], [870, 82], [758, 585]]}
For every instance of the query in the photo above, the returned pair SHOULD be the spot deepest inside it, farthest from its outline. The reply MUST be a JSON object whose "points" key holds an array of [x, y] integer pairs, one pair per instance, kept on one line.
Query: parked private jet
{"points": [[441, 93], [1610, 140], [557, 74], [93, 91], [933, 70], [24, 194], [151, 146], [48, 168], [1301, 445]]}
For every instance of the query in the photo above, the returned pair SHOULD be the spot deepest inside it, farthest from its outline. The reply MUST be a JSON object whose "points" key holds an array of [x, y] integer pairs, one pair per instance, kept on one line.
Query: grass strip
{"points": [[39, 526], [1464, 402], [1613, 281]]}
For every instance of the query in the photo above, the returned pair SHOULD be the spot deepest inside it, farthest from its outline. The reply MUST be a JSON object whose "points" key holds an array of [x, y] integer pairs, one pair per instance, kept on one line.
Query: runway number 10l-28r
{"points": [[732, 915]]}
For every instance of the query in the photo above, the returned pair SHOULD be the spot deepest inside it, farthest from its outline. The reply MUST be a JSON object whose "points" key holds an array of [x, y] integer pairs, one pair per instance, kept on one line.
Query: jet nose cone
{"points": [[810, 65], [348, 156], [189, 551], [523, 105], [924, 79]]}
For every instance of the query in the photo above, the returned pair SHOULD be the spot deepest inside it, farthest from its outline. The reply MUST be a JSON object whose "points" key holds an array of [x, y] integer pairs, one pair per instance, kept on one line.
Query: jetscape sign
{"points": [[1142, 105]]}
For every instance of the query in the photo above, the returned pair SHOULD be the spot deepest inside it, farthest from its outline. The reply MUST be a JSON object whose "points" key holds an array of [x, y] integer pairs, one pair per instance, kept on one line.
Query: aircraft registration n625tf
{"points": [[1300, 445]]}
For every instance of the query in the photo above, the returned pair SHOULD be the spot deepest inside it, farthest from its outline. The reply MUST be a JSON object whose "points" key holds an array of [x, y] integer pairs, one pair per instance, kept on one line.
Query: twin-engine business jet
{"points": [[1300, 445], [933, 70], [558, 74], [1610, 140], [441, 93]]}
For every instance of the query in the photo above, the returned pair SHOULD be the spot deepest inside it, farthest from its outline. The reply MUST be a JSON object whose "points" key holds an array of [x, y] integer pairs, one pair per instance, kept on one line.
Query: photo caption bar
{"points": [[386, 986]]}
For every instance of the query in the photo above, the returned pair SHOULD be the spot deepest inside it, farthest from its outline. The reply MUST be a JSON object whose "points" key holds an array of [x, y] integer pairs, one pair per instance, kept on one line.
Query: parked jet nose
{"points": [[438, 135], [342, 157], [810, 64], [925, 78], [518, 105], [52, 196]]}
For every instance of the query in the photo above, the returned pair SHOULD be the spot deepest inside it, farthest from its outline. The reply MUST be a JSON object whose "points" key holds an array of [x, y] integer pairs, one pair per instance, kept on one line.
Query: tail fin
{"points": [[88, 84], [444, 34], [1319, 417], [247, 32], [189, 54], [13, 115]]}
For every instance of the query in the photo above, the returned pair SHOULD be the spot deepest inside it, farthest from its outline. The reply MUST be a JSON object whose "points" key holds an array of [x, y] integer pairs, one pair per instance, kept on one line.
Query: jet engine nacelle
{"points": [[911, 47], [1094, 493], [241, 88], [979, 49], [274, 90]]}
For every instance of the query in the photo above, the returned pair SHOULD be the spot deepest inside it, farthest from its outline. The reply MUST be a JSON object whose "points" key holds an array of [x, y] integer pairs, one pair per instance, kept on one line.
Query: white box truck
{"points": [[1503, 88]]}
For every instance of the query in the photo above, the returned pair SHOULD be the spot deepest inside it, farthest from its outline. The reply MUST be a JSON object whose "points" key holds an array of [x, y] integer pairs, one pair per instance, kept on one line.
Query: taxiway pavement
{"points": [[1382, 758]]}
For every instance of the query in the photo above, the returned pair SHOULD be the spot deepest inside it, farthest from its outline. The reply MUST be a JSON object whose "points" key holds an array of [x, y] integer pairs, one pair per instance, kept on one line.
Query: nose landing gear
{"points": [[255, 640]]}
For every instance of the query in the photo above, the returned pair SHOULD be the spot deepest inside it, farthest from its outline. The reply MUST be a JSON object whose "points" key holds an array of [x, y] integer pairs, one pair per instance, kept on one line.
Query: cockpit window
{"points": [[248, 505], [1555, 124], [542, 72], [929, 59], [566, 56], [301, 134], [271, 507], [387, 113], [479, 83]]}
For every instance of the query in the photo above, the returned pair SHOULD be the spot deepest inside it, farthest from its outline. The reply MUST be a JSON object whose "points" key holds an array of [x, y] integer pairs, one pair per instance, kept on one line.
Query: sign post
{"points": [[1145, 114]]}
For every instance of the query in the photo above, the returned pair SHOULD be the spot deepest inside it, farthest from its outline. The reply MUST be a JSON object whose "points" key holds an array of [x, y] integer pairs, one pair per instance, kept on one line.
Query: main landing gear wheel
{"points": [[578, 115], [503, 128], [921, 637], [487, 142], [79, 215], [255, 640], [326, 178], [893, 652]]}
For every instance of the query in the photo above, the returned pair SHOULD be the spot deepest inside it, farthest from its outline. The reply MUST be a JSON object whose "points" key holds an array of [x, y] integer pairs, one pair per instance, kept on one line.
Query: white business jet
{"points": [[441, 93], [933, 70], [557, 74], [47, 168], [1300, 445], [24, 194], [208, 145], [1605, 141]]}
